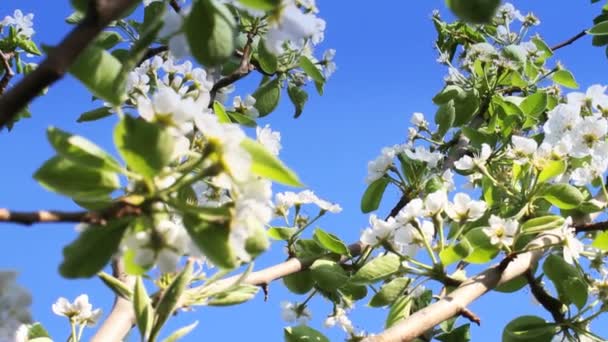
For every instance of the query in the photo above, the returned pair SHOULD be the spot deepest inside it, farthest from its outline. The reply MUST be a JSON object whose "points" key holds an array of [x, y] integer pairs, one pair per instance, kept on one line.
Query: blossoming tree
{"points": [[522, 161]]}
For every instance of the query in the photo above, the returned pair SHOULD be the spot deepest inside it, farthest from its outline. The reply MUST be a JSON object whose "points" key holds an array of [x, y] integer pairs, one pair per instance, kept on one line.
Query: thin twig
{"points": [[244, 69], [176, 7], [100, 14], [118, 210], [153, 52], [8, 71], [569, 41], [554, 306]]}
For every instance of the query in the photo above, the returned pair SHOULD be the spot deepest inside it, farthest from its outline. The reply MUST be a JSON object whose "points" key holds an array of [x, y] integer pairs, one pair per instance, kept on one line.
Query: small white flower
{"points": [[423, 154], [572, 247], [435, 202], [412, 210], [379, 230], [478, 160], [246, 106], [522, 148], [340, 319], [22, 23], [269, 138], [377, 168], [419, 121], [464, 209], [501, 231], [80, 311], [594, 97], [293, 312], [295, 27]]}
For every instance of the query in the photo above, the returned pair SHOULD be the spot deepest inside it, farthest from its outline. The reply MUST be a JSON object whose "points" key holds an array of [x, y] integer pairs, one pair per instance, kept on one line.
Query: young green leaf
{"points": [[142, 306], [389, 292], [528, 328], [98, 70], [303, 333], [213, 239], [563, 196], [238, 295], [330, 242], [168, 303], [565, 78], [377, 269], [210, 30], [83, 258], [145, 146], [328, 275], [298, 97], [80, 150], [267, 165], [267, 97], [95, 114], [373, 195], [60, 175]]}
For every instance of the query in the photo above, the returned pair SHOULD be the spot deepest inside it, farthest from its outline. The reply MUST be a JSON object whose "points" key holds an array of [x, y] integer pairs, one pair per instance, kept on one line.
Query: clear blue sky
{"points": [[386, 71]]}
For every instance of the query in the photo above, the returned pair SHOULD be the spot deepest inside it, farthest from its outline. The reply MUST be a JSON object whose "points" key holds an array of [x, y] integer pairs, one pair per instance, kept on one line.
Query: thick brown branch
{"points": [[591, 227], [473, 288], [60, 58], [569, 41], [550, 304], [51, 216], [5, 59]]}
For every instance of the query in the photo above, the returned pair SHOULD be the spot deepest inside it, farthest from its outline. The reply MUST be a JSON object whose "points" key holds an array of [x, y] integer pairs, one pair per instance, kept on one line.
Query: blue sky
{"points": [[386, 71]]}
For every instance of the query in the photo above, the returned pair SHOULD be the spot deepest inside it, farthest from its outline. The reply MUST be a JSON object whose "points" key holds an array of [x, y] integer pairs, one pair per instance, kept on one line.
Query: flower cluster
{"points": [[23, 24]]}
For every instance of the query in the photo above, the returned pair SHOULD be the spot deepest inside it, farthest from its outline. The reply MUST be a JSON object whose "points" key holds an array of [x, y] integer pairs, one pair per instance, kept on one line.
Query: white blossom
{"points": [[522, 148], [478, 160], [572, 247], [293, 312], [423, 154], [379, 230], [269, 138], [464, 209], [79, 312], [501, 231], [377, 168], [295, 27], [418, 120], [245, 106], [22, 23], [435, 202], [340, 319], [285, 200], [594, 97]]}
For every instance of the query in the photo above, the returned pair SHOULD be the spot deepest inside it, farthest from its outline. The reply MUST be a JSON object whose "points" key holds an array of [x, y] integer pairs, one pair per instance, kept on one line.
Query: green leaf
{"points": [[373, 195], [353, 292], [483, 250], [567, 280], [267, 97], [265, 164], [281, 233], [456, 252], [565, 78], [84, 257], [330, 242], [168, 303], [444, 118], [474, 11], [450, 92], [528, 329], [181, 332], [36, 330], [377, 269], [264, 5], [460, 334], [311, 69], [552, 169], [80, 150], [600, 29], [534, 104], [242, 119], [60, 175], [543, 223], [98, 70], [146, 147], [465, 108], [220, 111], [240, 294], [328, 274], [299, 282], [210, 30], [116, 285], [298, 97], [108, 39], [389, 292], [563, 196], [400, 309], [601, 241], [267, 60], [144, 312], [213, 239], [95, 114], [303, 333]]}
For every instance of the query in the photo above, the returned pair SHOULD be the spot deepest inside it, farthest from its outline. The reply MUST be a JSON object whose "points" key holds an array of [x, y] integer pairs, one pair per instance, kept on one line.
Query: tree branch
{"points": [[100, 13], [473, 288], [8, 71], [153, 52], [118, 210], [176, 7], [550, 304], [569, 41], [122, 317]]}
